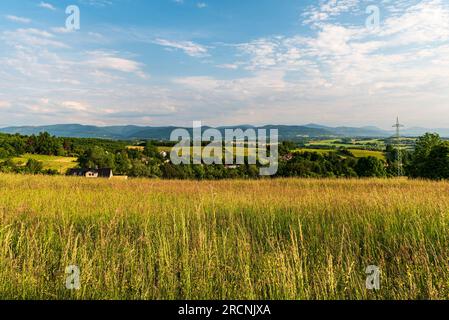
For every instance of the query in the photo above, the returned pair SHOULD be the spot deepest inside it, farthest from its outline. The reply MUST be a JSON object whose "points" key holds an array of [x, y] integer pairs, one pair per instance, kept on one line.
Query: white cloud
{"points": [[107, 60], [48, 86], [47, 5], [62, 30], [341, 73], [190, 48], [95, 35], [328, 9], [97, 3], [230, 66], [275, 52], [75, 105], [32, 37], [18, 19], [426, 22], [4, 104]]}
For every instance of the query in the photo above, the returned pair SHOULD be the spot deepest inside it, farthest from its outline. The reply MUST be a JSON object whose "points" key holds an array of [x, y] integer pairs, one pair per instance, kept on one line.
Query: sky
{"points": [[225, 62]]}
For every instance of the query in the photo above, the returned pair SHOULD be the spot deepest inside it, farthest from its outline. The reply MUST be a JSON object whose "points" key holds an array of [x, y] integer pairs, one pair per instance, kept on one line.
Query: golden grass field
{"points": [[268, 239]]}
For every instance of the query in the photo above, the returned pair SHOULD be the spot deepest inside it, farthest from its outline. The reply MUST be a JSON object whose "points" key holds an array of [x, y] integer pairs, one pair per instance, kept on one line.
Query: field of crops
{"points": [[268, 239]]}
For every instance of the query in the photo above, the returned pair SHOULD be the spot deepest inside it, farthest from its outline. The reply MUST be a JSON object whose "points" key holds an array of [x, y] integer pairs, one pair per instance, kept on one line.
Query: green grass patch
{"points": [[358, 153], [60, 164]]}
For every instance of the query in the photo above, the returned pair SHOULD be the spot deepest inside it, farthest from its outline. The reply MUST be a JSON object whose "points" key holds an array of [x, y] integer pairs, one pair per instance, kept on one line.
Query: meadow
{"points": [[358, 153], [267, 239], [60, 164]]}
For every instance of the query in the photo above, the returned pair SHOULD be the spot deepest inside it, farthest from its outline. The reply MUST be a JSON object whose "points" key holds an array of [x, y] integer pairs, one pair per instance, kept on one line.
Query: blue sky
{"points": [[227, 62]]}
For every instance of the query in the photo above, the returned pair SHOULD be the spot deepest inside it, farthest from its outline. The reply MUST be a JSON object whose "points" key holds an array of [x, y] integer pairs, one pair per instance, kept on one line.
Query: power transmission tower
{"points": [[398, 127]]}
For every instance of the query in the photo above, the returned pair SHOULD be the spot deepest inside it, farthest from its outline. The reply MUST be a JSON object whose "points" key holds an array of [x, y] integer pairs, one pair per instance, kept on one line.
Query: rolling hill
{"points": [[286, 132]]}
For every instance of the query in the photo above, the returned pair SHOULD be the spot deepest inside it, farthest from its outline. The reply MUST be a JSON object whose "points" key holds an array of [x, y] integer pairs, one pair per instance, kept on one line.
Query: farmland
{"points": [[266, 239], [358, 153], [351, 143]]}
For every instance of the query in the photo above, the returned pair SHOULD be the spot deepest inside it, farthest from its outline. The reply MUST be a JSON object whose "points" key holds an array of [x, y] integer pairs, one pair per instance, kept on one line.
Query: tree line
{"points": [[429, 160]]}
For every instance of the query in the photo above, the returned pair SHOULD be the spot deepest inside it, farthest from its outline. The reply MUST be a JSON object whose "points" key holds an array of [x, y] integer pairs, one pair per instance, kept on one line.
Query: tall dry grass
{"points": [[270, 239]]}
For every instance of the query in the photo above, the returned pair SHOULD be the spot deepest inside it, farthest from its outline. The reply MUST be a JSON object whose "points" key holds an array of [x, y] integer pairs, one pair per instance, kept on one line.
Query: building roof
{"points": [[102, 173]]}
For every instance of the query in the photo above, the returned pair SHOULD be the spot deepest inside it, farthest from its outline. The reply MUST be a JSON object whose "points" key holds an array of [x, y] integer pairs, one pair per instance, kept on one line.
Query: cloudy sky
{"points": [[170, 62]]}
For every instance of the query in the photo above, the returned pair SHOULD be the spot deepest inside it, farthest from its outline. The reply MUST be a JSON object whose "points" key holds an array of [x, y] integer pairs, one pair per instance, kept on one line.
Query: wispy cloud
{"points": [[230, 66], [33, 37], [328, 9], [47, 5], [405, 59], [107, 60], [4, 104], [337, 71], [97, 3], [18, 19], [75, 105], [190, 48]]}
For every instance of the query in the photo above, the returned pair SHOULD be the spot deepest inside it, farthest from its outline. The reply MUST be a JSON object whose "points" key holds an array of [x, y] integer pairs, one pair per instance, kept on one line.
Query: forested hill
{"points": [[163, 133]]}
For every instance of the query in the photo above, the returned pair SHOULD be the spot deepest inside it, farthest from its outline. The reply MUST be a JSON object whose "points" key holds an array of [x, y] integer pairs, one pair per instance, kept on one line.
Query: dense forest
{"points": [[430, 159]]}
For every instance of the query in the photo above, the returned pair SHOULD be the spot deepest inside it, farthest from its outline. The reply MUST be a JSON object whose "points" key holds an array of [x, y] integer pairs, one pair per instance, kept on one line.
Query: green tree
{"points": [[8, 166], [419, 163], [392, 155], [122, 163], [33, 166], [370, 167], [199, 171], [44, 143], [287, 147], [151, 150], [139, 169], [96, 157], [436, 165], [4, 153]]}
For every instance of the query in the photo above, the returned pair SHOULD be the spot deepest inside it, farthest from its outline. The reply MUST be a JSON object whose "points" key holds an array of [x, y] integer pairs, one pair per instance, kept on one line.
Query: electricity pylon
{"points": [[398, 127]]}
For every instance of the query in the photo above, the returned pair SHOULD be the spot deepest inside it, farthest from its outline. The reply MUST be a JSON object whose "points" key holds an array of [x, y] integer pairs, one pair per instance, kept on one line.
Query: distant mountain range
{"points": [[163, 133]]}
